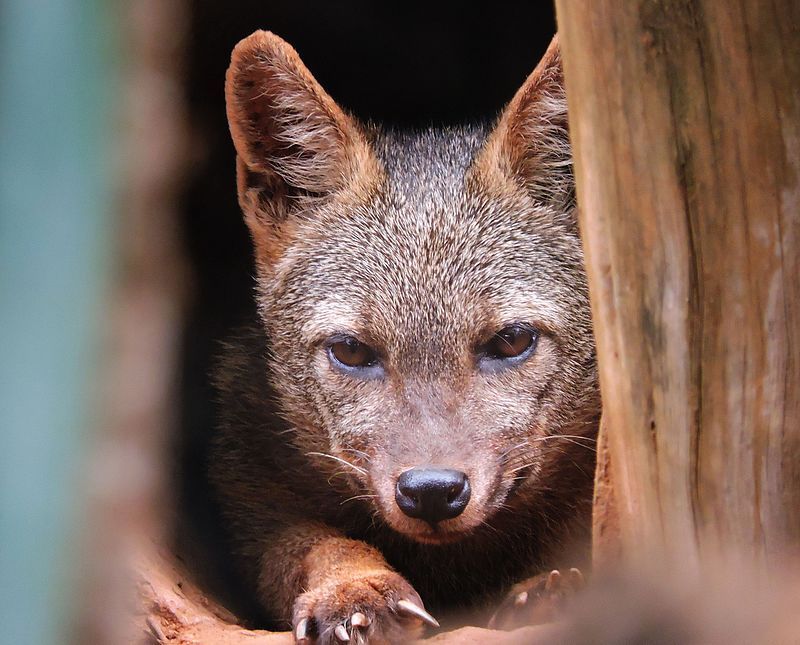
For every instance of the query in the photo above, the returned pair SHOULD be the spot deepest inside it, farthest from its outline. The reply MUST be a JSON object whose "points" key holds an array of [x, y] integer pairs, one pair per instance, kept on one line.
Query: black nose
{"points": [[432, 494]]}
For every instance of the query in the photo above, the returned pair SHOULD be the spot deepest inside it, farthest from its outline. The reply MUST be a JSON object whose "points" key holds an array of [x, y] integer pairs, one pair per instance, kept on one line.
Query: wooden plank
{"points": [[685, 120]]}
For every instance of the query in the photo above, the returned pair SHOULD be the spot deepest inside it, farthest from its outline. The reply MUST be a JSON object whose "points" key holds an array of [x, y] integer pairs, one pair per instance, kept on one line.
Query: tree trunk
{"points": [[685, 122]]}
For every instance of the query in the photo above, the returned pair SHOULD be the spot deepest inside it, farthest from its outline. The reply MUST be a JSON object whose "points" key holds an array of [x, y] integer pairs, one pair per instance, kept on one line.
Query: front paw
{"points": [[537, 600], [379, 607]]}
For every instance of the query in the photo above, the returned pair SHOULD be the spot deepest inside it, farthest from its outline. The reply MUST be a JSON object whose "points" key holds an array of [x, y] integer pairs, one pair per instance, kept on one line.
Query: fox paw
{"points": [[377, 608], [538, 599]]}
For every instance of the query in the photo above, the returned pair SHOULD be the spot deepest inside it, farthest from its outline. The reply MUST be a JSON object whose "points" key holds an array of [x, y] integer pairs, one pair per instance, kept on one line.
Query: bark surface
{"points": [[685, 122]]}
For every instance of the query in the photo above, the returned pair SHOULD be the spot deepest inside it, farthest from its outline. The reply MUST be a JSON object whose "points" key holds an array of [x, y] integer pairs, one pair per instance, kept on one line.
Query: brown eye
{"points": [[350, 352], [510, 342]]}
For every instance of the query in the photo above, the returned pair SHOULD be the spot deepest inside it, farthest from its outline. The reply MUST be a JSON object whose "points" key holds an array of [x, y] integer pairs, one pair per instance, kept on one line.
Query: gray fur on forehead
{"points": [[428, 162], [434, 250], [426, 208]]}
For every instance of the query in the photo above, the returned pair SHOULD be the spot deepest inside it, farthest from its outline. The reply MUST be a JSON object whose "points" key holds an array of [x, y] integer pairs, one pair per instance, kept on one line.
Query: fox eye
{"points": [[511, 343], [351, 353]]}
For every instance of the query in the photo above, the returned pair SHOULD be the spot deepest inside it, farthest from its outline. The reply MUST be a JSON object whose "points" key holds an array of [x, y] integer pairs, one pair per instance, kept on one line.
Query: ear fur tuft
{"points": [[531, 139], [291, 138]]}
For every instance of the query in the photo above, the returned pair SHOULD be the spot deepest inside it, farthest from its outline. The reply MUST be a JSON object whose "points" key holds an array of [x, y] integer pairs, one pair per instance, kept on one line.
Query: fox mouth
{"points": [[434, 535], [437, 533], [436, 505], [476, 516]]}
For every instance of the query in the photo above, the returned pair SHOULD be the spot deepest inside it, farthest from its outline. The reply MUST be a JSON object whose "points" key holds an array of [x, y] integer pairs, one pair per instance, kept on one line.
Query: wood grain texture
{"points": [[685, 122], [174, 610], [606, 539]]}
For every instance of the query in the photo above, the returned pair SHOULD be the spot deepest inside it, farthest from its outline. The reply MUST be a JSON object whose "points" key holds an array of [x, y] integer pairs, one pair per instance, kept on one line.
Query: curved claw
{"points": [[341, 633], [576, 578], [359, 620], [408, 607], [301, 631], [553, 580]]}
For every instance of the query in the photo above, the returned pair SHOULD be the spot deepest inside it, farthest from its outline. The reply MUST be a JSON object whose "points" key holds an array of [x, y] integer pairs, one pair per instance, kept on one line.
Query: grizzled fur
{"points": [[421, 245]]}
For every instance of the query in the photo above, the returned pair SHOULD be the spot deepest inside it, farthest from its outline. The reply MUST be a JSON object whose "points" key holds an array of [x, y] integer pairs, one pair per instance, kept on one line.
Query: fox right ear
{"points": [[292, 141], [530, 142]]}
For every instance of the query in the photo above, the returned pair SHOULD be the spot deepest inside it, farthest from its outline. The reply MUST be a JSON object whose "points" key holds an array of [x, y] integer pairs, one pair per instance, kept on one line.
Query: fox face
{"points": [[423, 294]]}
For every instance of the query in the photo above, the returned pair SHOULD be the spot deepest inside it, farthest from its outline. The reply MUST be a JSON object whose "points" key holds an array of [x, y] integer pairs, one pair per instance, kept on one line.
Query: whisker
{"points": [[574, 439], [489, 526], [349, 499], [582, 445], [338, 473], [523, 467], [361, 453], [340, 460], [565, 436], [561, 451], [505, 453]]}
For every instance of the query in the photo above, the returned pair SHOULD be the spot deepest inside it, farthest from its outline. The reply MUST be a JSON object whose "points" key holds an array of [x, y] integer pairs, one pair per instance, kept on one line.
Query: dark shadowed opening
{"points": [[407, 65]]}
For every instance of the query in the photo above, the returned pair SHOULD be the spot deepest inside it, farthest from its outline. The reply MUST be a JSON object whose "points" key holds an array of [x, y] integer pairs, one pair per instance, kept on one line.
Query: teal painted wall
{"points": [[58, 70]]}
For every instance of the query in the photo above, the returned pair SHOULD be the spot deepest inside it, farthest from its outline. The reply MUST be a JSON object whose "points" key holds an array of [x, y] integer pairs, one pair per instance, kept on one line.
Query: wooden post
{"points": [[685, 121]]}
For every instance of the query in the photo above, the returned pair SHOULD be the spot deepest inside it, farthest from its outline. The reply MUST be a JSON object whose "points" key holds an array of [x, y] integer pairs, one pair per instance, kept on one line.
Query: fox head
{"points": [[423, 293]]}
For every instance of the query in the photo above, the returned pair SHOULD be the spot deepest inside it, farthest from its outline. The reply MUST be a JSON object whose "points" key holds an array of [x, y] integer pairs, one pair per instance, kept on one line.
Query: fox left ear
{"points": [[293, 142], [530, 142]]}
